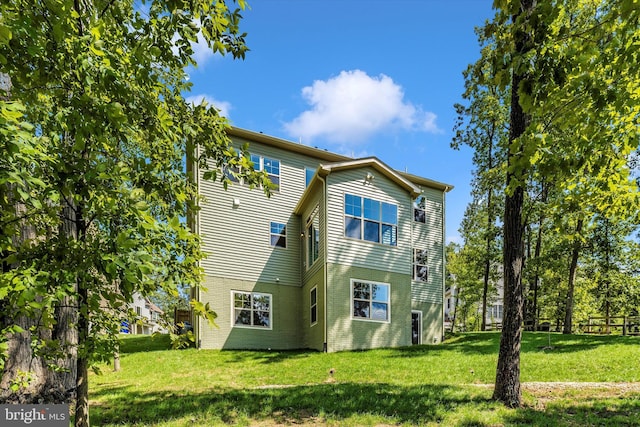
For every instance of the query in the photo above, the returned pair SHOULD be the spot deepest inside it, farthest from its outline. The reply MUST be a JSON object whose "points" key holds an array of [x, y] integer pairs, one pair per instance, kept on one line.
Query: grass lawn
{"points": [[449, 384]]}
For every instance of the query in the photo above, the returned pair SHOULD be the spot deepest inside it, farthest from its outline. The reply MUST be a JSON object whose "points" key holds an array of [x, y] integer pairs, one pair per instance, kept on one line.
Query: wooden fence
{"points": [[624, 325]]}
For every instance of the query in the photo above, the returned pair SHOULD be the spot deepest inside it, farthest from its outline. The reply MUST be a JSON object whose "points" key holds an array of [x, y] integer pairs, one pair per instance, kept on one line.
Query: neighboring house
{"points": [[147, 317], [493, 315], [345, 254]]}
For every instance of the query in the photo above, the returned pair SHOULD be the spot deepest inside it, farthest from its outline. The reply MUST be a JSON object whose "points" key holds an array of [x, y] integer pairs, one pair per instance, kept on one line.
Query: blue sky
{"points": [[357, 77]]}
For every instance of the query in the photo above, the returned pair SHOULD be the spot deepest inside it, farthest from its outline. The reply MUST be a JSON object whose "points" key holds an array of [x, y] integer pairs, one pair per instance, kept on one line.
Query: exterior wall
{"points": [[348, 251], [313, 335], [236, 238], [430, 236], [432, 321], [346, 333], [428, 297], [235, 225], [286, 313]]}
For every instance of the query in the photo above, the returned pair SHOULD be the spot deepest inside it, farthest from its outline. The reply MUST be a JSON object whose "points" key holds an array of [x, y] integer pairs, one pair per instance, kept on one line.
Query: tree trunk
{"points": [[22, 365], [535, 284], [507, 387], [573, 267], [490, 225]]}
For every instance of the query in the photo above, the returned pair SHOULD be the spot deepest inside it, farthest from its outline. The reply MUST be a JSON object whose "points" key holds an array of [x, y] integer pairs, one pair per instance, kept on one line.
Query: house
{"points": [[345, 254], [147, 317], [493, 315]]}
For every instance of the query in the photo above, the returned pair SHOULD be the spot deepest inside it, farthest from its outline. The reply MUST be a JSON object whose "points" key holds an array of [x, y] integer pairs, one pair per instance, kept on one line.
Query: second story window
{"points": [[419, 210], [278, 235], [270, 166], [420, 269], [313, 237], [308, 176], [371, 220]]}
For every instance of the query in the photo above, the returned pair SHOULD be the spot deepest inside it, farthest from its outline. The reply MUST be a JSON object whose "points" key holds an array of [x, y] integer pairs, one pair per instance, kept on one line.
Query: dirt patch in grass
{"points": [[554, 387]]}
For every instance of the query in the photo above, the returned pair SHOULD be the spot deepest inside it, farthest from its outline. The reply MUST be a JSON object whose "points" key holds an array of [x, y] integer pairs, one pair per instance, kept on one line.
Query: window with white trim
{"points": [[278, 235], [313, 306], [370, 300], [251, 309], [419, 209], [370, 220], [270, 166], [420, 268], [313, 237]]}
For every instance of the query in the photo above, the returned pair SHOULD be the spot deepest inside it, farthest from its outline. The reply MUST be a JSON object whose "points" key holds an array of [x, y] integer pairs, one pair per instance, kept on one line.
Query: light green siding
{"points": [[235, 227], [313, 335], [286, 314], [236, 238], [432, 321], [343, 250], [347, 333], [430, 236]]}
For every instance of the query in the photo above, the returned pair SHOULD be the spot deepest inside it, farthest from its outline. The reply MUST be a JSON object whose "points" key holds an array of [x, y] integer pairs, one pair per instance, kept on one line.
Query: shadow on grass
{"points": [[263, 356], [592, 412], [482, 343], [378, 403], [296, 404]]}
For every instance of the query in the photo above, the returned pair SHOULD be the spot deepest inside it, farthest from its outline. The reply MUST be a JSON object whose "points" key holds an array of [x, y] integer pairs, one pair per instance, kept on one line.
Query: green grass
{"points": [[448, 384]]}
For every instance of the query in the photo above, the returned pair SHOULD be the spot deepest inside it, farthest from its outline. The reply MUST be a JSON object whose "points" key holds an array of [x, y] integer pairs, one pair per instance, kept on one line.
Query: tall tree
{"points": [[481, 125], [567, 64], [101, 86]]}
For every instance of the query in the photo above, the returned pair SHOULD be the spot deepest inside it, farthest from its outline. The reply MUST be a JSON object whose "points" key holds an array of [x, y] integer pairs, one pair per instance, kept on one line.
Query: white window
{"points": [[420, 269], [313, 306], [370, 300], [251, 309], [270, 166], [495, 311], [371, 220], [419, 210], [278, 235], [313, 237]]}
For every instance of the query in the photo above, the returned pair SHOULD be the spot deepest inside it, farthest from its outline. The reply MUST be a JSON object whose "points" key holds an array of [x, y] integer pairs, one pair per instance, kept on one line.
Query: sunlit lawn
{"points": [[448, 384]]}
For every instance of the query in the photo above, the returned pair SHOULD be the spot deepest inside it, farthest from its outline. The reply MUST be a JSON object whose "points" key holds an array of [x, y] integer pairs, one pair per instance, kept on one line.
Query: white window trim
{"points": [[311, 305], [260, 167], [414, 264], [421, 326], [363, 219], [424, 210], [286, 237], [312, 217], [371, 282], [256, 328]]}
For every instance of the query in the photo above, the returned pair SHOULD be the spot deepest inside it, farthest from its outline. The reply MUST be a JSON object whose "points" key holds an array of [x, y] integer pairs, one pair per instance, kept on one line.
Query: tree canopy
{"points": [[96, 132]]}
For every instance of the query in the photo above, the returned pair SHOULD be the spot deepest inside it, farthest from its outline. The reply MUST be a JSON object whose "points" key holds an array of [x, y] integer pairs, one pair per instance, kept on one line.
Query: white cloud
{"points": [[352, 106], [223, 106], [202, 53]]}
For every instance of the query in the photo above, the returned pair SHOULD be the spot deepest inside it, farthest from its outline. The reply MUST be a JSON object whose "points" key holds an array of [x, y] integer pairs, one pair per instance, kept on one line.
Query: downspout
{"points": [[411, 255], [444, 258], [325, 244], [195, 170]]}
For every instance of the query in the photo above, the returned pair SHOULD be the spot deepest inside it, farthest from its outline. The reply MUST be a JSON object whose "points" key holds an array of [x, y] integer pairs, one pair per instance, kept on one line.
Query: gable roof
{"points": [[328, 156], [326, 169]]}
